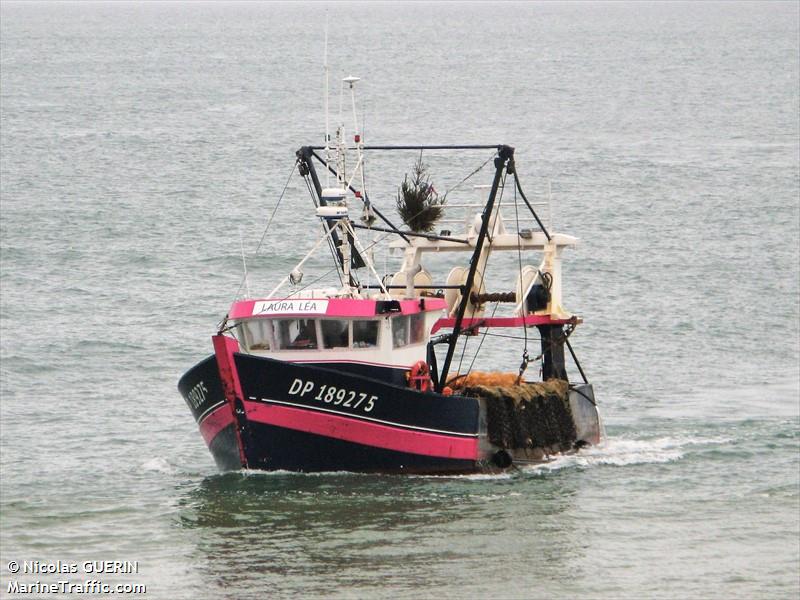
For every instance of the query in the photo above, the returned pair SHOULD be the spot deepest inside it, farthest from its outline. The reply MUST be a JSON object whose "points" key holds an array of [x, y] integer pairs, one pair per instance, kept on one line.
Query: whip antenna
{"points": [[327, 119], [244, 264]]}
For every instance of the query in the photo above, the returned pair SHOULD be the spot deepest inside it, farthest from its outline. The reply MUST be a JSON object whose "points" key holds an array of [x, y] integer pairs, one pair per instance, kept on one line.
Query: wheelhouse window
{"points": [[399, 331], [365, 334], [296, 334], [256, 334], [408, 330], [417, 328], [335, 333]]}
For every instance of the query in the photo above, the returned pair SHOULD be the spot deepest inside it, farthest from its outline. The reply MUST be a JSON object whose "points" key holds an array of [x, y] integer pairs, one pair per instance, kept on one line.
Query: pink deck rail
{"points": [[325, 307]]}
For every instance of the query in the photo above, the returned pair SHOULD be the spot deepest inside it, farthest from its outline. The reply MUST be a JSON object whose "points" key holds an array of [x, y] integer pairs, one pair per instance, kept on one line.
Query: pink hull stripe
{"points": [[362, 432], [215, 422]]}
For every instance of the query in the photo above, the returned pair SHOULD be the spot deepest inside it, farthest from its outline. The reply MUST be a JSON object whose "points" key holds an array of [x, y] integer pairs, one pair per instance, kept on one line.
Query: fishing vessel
{"points": [[368, 374]]}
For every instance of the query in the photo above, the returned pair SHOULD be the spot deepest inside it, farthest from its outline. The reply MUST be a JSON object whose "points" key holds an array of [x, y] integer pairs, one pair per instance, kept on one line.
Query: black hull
{"points": [[400, 419], [225, 449], [277, 448]]}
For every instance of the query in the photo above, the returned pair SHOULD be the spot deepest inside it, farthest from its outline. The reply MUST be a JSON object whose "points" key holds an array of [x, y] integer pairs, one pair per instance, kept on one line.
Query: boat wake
{"points": [[159, 465], [621, 452]]}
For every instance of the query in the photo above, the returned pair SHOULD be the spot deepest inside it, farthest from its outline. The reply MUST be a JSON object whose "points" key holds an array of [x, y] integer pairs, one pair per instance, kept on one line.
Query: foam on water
{"points": [[159, 465], [476, 476], [622, 452]]}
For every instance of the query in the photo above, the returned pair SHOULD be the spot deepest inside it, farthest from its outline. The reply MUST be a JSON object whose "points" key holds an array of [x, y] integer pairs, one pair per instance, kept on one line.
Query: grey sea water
{"points": [[142, 144]]}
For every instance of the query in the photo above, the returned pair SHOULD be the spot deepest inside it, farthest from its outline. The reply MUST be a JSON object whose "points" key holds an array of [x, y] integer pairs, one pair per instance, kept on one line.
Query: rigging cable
{"points": [[470, 175], [274, 210], [329, 271], [483, 337], [504, 335], [528, 204], [522, 299], [323, 276], [483, 280]]}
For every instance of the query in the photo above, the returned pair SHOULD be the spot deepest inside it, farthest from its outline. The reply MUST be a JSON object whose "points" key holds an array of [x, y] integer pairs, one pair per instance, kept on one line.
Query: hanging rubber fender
{"points": [[502, 459], [419, 377]]}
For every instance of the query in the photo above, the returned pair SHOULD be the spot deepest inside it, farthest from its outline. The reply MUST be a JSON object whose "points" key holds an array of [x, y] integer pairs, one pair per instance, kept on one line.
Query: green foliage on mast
{"points": [[418, 204]]}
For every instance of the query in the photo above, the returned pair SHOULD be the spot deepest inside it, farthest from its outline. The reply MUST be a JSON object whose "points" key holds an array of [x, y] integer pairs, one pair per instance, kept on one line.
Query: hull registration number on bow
{"points": [[330, 394]]}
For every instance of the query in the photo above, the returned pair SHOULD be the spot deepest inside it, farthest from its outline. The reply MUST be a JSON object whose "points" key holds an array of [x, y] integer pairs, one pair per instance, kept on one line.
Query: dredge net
{"points": [[524, 415]]}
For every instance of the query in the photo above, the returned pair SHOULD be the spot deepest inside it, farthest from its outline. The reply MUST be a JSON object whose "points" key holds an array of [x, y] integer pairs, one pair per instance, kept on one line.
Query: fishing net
{"points": [[527, 416], [487, 378]]}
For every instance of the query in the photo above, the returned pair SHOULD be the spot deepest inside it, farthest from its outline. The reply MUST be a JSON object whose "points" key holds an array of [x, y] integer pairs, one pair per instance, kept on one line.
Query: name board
{"points": [[290, 307]]}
